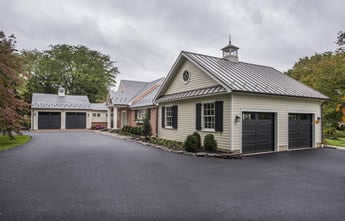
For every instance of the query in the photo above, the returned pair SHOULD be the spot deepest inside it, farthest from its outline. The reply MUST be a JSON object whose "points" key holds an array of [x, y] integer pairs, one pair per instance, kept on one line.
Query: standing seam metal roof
{"points": [[245, 77]]}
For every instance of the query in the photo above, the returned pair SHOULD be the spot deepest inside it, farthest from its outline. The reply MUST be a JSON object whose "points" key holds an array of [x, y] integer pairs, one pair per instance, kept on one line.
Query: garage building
{"points": [[60, 111], [249, 108]]}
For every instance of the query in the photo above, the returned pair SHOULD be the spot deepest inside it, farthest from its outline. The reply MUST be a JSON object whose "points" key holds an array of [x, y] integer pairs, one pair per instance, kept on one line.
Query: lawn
{"points": [[7, 143], [337, 140]]}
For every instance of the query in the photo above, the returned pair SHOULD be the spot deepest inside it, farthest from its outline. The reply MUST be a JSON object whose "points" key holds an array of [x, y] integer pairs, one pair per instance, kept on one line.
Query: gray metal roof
{"points": [[99, 106], [132, 89], [245, 77], [53, 101], [218, 89], [148, 99]]}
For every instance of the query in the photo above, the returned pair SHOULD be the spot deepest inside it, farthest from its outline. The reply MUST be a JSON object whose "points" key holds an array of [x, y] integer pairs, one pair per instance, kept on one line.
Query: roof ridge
{"points": [[227, 60]]}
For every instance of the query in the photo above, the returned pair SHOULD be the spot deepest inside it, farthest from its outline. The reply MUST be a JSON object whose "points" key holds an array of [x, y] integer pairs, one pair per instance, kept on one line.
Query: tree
{"points": [[326, 73], [78, 69], [341, 41], [11, 106]]}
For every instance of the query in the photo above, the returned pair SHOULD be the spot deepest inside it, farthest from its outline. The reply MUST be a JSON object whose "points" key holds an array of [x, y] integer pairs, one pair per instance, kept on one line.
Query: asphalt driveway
{"points": [[88, 176]]}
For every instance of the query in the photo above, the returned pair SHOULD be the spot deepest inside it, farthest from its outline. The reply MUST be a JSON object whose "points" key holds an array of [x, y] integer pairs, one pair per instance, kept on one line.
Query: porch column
{"points": [[115, 118], [109, 118]]}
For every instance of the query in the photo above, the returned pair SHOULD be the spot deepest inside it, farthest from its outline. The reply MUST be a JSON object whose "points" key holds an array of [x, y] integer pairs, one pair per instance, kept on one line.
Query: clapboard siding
{"points": [[198, 79], [282, 106], [186, 121]]}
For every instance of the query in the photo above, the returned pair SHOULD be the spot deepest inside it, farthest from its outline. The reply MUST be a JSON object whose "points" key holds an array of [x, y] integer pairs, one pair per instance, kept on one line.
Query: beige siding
{"points": [[186, 121], [198, 79], [282, 106]]}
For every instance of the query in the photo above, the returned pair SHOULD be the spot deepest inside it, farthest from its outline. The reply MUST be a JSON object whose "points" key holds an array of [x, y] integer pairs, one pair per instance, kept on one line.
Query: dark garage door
{"points": [[257, 132], [300, 131], [49, 120], [75, 120]]}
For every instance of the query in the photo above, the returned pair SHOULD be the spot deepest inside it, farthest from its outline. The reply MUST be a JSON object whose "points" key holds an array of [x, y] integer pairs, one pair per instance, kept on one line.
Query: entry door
{"points": [[300, 131], [123, 118], [257, 132]]}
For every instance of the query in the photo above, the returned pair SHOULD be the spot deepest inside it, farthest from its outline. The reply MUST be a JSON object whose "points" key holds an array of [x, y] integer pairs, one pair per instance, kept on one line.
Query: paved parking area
{"points": [[89, 176]]}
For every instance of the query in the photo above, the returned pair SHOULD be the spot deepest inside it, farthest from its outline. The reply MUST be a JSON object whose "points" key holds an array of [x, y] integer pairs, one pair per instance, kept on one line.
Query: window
{"points": [[186, 76], [98, 114], [94, 114], [208, 116], [140, 114], [168, 117]]}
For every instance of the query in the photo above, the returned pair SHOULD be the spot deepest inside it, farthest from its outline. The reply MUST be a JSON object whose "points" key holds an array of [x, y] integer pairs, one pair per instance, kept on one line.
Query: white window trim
{"points": [[142, 115], [165, 117], [203, 129]]}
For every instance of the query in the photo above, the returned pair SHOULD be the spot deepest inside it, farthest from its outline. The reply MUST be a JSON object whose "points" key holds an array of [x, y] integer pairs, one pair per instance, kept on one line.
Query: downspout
{"points": [[157, 110], [321, 122]]}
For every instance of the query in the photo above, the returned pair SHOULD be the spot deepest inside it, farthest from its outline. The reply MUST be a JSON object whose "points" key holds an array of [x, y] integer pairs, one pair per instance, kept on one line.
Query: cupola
{"points": [[230, 52]]}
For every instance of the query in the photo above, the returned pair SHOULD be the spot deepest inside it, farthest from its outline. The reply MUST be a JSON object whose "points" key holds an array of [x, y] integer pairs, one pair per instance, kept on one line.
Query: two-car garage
{"points": [[55, 120], [259, 131]]}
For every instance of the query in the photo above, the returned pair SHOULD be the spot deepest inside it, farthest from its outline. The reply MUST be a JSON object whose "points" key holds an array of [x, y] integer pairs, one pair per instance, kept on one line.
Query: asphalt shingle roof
{"points": [[245, 77], [53, 101]]}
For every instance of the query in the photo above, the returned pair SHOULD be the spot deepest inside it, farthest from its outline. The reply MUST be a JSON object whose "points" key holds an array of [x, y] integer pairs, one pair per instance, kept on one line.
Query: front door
{"points": [[123, 119]]}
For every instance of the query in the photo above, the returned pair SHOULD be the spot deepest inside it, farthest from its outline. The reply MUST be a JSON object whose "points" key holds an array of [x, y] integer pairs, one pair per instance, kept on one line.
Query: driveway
{"points": [[89, 176]]}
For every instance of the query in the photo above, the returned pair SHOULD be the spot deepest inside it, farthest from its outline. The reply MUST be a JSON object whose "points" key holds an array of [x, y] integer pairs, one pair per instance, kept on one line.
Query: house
{"points": [[60, 111], [130, 103], [248, 108]]}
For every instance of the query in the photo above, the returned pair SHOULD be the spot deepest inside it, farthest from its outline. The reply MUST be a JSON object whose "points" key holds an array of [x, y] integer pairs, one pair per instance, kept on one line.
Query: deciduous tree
{"points": [[11, 106], [80, 70]]}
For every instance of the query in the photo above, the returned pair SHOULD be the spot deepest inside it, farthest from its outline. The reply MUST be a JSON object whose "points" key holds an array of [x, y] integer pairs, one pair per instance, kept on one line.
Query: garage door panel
{"points": [[300, 131], [75, 120], [257, 132], [49, 120]]}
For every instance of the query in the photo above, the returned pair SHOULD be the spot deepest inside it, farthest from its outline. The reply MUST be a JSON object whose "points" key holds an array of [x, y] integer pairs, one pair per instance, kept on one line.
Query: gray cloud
{"points": [[145, 37]]}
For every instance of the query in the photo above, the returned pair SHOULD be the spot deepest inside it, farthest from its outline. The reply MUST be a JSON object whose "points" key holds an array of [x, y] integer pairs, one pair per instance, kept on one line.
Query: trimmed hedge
{"points": [[168, 143], [132, 130], [191, 143]]}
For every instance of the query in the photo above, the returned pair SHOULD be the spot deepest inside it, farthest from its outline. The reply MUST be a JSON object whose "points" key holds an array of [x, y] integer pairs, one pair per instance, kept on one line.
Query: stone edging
{"points": [[199, 154]]}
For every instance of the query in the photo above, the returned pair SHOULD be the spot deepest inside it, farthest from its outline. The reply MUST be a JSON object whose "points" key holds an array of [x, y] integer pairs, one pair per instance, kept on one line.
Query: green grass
{"points": [[6, 143], [340, 142]]}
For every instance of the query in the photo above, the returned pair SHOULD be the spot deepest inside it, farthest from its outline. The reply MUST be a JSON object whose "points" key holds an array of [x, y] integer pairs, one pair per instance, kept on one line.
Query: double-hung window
{"points": [[208, 116], [140, 114], [168, 117]]}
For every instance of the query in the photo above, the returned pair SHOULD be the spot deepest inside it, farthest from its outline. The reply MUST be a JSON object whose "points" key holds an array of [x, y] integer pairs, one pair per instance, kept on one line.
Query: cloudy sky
{"points": [[144, 37]]}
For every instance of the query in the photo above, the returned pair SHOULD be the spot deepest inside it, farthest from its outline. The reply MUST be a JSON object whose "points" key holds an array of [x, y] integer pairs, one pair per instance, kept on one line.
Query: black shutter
{"points": [[174, 114], [136, 114], [149, 114], [198, 117], [163, 117], [219, 116]]}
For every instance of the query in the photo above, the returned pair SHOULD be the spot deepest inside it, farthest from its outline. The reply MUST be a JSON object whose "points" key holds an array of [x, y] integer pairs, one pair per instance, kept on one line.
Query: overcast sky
{"points": [[145, 37]]}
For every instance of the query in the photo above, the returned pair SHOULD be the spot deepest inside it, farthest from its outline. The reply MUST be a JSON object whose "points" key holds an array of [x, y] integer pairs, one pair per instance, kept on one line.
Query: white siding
{"points": [[102, 118], [282, 106], [186, 121], [198, 79]]}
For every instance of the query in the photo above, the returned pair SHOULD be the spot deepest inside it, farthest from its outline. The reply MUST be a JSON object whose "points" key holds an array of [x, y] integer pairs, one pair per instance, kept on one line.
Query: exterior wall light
{"points": [[237, 119]]}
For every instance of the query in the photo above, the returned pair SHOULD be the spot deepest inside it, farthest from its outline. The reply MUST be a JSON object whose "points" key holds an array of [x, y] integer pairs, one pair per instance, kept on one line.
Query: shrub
{"points": [[191, 143], [197, 135], [210, 143], [147, 130], [115, 130], [104, 129]]}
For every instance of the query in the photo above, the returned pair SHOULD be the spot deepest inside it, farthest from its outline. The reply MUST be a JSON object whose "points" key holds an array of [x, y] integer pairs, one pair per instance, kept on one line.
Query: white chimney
{"points": [[61, 92]]}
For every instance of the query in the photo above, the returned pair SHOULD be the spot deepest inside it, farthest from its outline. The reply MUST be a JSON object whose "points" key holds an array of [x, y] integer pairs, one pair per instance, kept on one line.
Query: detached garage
{"points": [[60, 111], [262, 110]]}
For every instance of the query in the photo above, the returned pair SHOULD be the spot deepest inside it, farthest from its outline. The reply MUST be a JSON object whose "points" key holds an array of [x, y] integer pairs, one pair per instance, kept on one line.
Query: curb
{"points": [[182, 152]]}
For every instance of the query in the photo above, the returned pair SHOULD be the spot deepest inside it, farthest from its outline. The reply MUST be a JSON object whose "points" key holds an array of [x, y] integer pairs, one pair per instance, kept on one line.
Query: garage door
{"points": [[300, 131], [257, 132], [75, 120], [49, 120]]}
